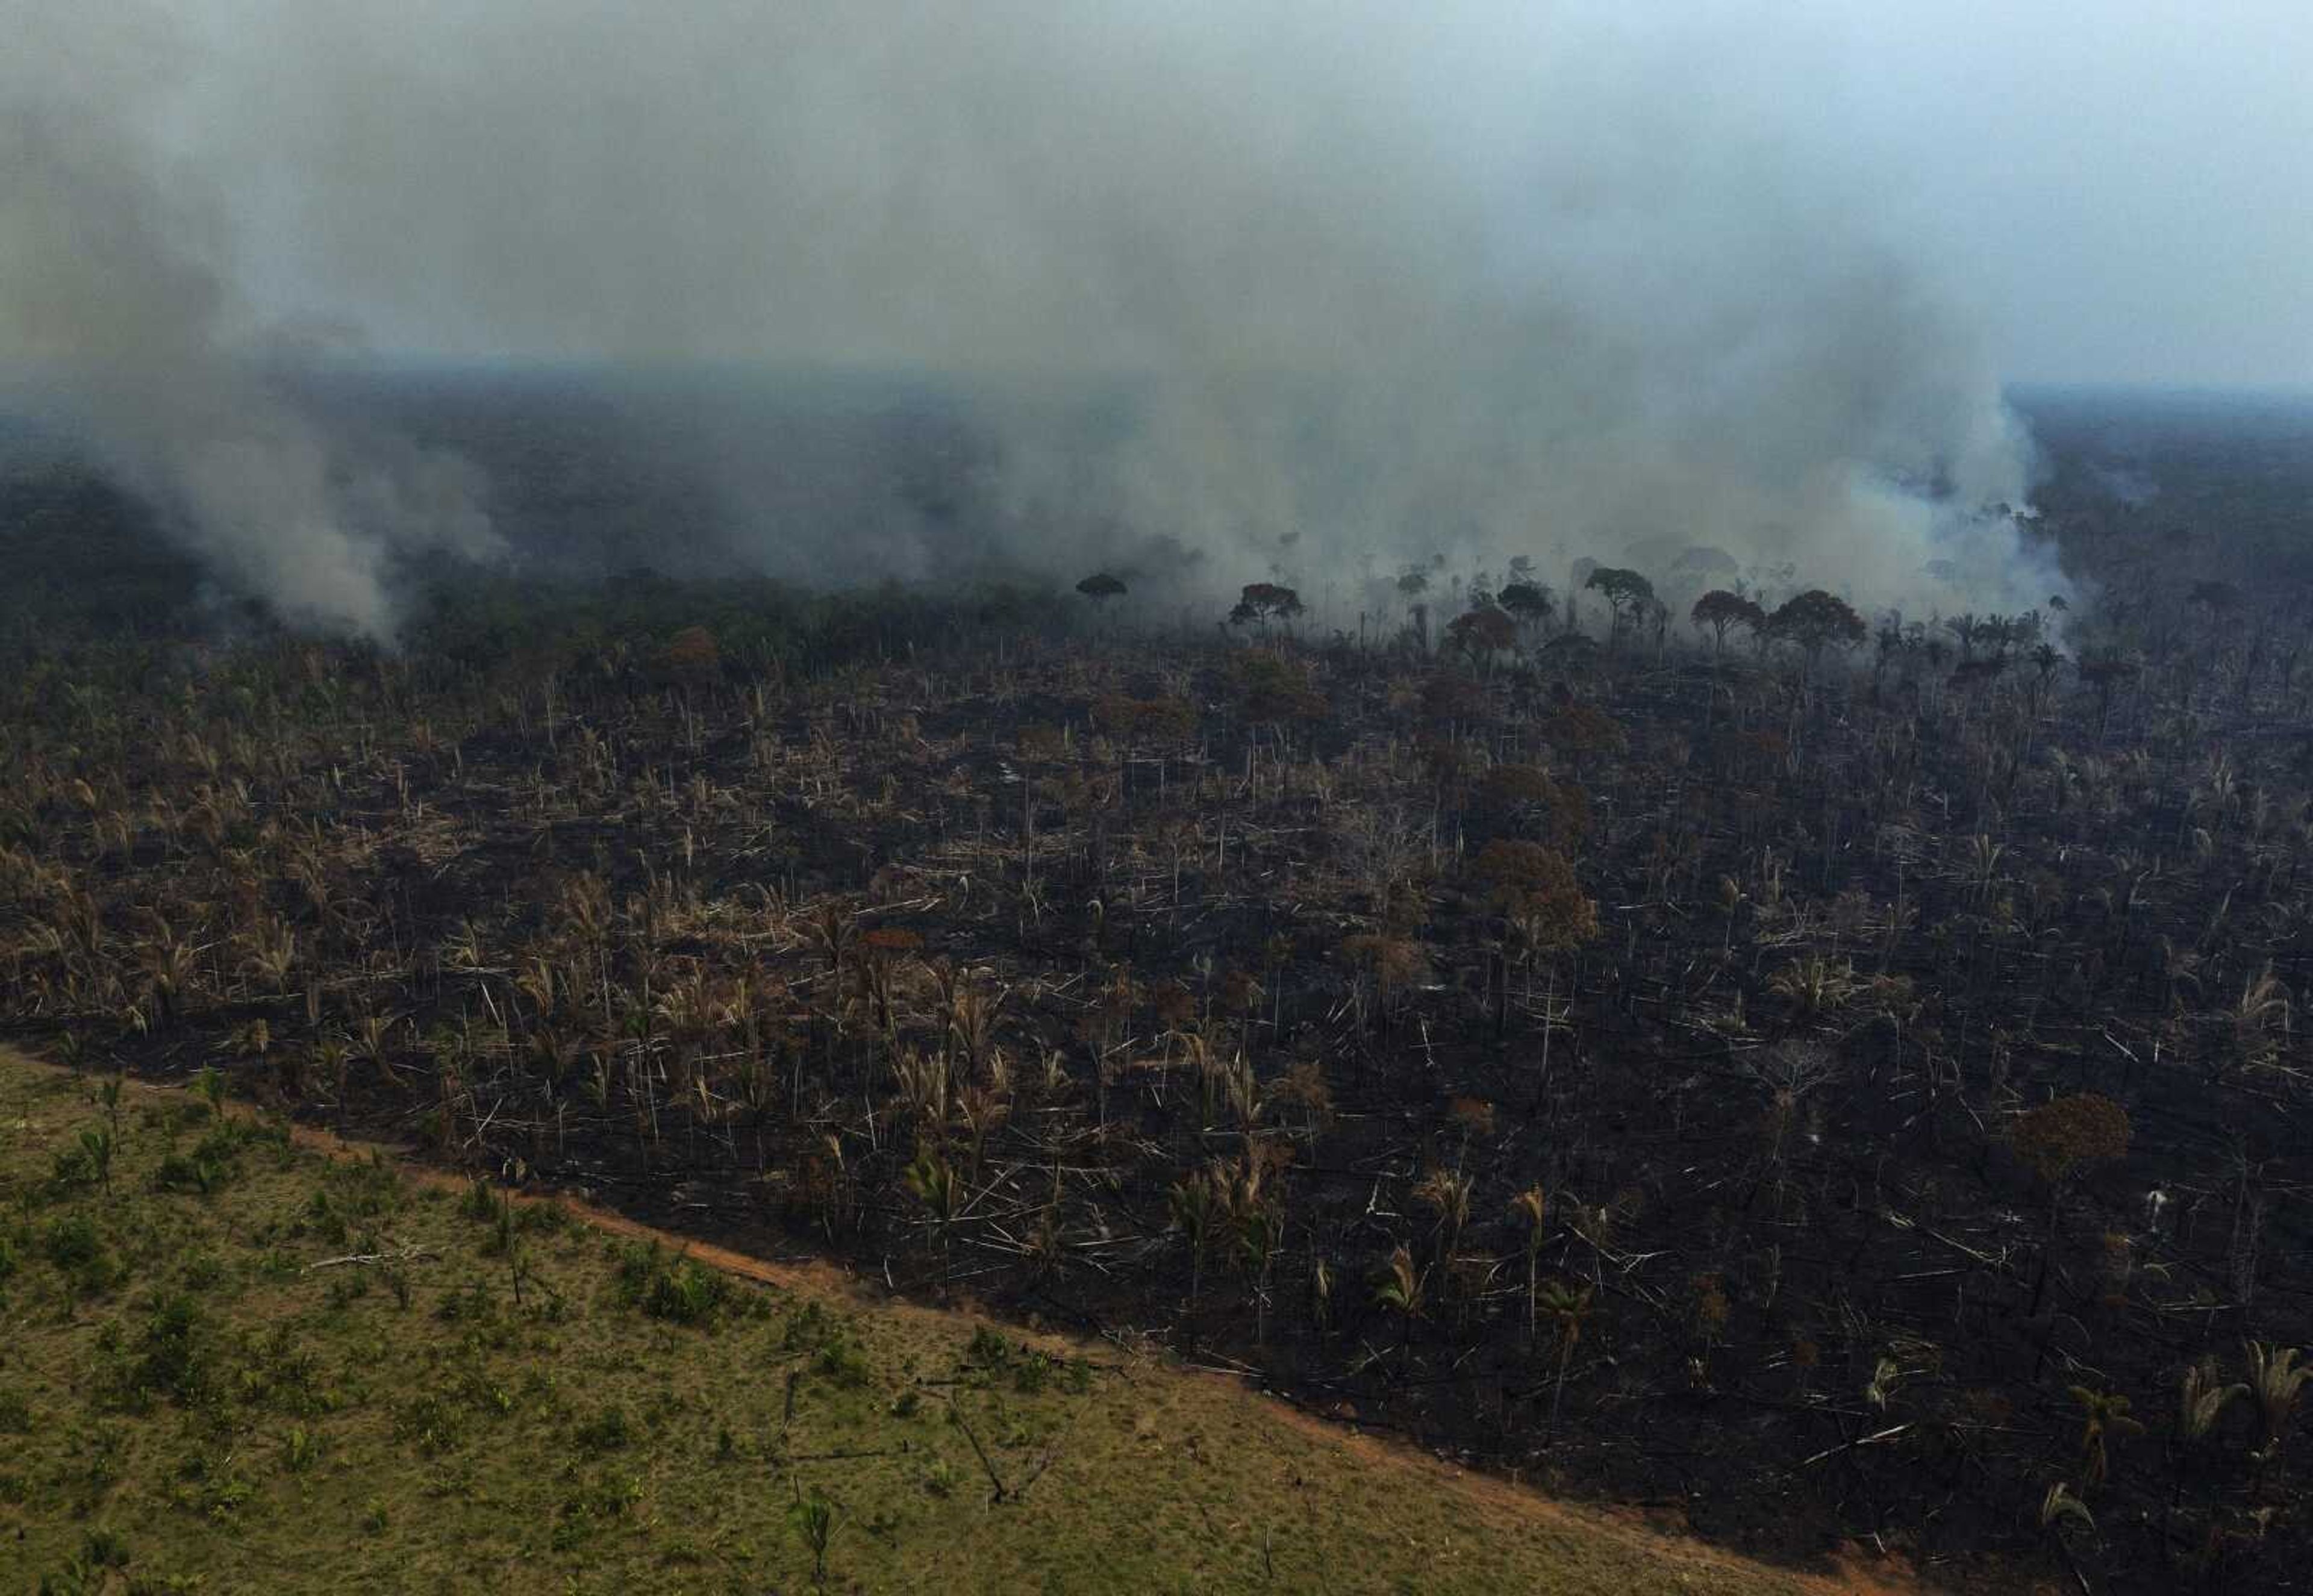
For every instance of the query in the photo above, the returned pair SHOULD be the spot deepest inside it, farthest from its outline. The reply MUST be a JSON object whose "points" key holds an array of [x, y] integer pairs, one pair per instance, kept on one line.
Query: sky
{"points": [[1355, 279], [2113, 190], [2124, 188]]}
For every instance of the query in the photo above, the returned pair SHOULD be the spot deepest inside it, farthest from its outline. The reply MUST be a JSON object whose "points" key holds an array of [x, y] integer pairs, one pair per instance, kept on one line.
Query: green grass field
{"points": [[198, 1393]]}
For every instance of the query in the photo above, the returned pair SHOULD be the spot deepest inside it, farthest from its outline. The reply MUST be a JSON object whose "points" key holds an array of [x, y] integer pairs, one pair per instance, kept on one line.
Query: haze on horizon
{"points": [[2120, 193], [1747, 277]]}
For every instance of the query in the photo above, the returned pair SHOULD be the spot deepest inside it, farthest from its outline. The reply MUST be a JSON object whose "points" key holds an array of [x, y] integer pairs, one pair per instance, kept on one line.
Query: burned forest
{"points": [[1827, 1076]]}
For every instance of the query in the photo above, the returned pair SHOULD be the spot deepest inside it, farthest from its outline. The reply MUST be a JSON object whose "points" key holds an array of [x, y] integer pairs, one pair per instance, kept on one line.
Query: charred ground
{"points": [[1847, 1099]]}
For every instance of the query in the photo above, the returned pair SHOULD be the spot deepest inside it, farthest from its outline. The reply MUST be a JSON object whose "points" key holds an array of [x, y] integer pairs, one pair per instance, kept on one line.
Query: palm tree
{"points": [[1194, 1209], [1568, 1306], [1447, 1193], [1815, 984], [1260, 1230], [931, 1180], [2263, 1003], [2275, 1379], [814, 1517], [1402, 1290], [2060, 1504], [2201, 1402], [2104, 1417], [1534, 1206]]}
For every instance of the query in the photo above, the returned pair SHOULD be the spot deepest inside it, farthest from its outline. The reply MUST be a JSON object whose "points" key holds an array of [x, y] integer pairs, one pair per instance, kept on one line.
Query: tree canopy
{"points": [[1627, 592], [1262, 602], [1815, 621], [1483, 631], [1533, 886], [1526, 601], [1721, 610]]}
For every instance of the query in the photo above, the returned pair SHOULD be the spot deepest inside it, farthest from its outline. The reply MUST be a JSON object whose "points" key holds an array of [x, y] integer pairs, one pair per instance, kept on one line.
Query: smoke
{"points": [[1223, 292], [117, 318]]}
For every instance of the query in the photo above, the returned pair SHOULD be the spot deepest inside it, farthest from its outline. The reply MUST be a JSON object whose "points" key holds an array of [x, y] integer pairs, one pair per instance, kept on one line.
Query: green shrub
{"points": [[809, 1327], [72, 1242], [430, 1423], [841, 1360], [680, 1289], [607, 1430], [172, 1352], [74, 1245]]}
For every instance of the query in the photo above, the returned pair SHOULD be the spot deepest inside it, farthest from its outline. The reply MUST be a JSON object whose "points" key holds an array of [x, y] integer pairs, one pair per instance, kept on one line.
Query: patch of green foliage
{"points": [[223, 1416]]}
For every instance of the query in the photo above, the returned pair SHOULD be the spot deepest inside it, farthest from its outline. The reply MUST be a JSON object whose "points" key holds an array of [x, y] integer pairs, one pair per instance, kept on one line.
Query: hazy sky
{"points": [[1580, 277], [2124, 186], [2113, 189]]}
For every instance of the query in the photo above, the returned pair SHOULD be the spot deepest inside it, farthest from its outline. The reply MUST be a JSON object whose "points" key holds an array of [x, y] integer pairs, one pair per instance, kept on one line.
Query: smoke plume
{"points": [[118, 318], [1225, 292]]}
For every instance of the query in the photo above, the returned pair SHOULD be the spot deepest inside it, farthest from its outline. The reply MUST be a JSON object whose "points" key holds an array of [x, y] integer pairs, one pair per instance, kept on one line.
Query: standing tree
{"points": [[1196, 1207], [2274, 1380], [1529, 603], [1481, 634], [1401, 1289], [2104, 1419], [814, 1520], [1721, 611], [932, 1181], [1533, 1206], [1567, 1308], [1815, 621], [2105, 674], [1628, 594], [2059, 1139], [1262, 602], [1100, 587], [1535, 890], [692, 661]]}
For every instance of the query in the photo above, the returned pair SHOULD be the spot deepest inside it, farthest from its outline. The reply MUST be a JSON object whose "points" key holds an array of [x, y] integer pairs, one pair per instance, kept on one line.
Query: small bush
{"points": [[470, 1303], [75, 1246], [73, 1168], [324, 1221], [481, 1203], [808, 1327], [989, 1350], [300, 1449], [680, 1290], [72, 1242], [173, 1353], [605, 1497], [607, 1430], [542, 1219], [841, 1362], [430, 1423], [196, 1172]]}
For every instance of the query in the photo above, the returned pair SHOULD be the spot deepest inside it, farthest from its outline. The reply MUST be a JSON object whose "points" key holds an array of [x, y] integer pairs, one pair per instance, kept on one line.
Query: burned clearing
{"points": [[1831, 1076]]}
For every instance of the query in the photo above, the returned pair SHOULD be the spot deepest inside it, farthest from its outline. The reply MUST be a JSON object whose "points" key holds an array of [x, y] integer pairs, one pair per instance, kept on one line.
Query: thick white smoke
{"points": [[1345, 284], [119, 316]]}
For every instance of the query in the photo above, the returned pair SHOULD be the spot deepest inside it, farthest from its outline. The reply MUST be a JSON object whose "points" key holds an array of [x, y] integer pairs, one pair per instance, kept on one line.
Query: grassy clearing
{"points": [[196, 1393]]}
